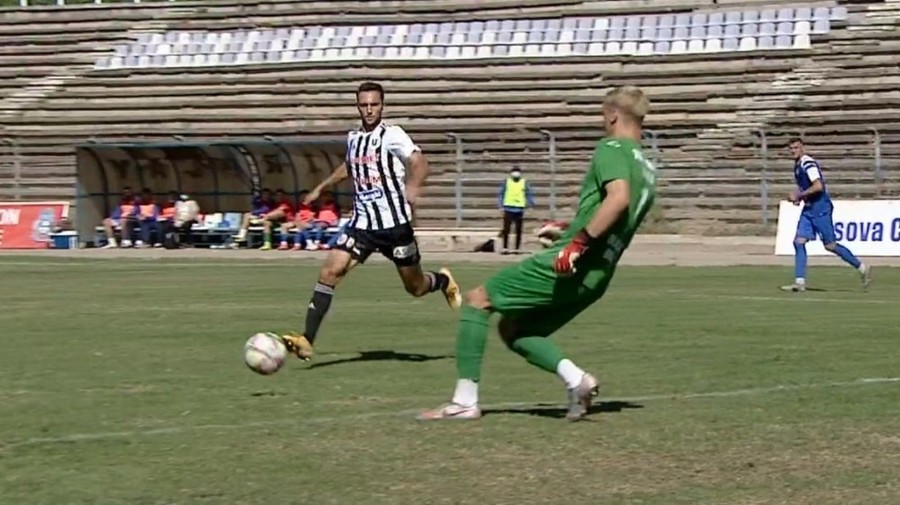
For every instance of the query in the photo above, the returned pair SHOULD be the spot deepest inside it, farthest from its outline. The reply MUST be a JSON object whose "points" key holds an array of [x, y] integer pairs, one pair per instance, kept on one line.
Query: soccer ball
{"points": [[264, 353]]}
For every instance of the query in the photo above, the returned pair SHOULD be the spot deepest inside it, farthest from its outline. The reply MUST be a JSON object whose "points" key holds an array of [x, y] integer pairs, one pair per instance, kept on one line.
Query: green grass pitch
{"points": [[121, 382]]}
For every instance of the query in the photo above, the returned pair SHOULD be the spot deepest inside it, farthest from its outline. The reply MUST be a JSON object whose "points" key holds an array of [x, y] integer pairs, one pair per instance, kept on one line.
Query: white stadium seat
{"points": [[728, 30]]}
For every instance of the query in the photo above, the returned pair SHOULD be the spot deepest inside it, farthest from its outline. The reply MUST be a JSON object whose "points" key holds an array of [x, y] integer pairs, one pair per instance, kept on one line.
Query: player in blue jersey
{"points": [[816, 218]]}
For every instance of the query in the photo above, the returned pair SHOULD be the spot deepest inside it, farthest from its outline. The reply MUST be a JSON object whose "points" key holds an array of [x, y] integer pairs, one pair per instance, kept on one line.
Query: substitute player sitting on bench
{"points": [[261, 205], [283, 212], [303, 220], [122, 217], [328, 214]]}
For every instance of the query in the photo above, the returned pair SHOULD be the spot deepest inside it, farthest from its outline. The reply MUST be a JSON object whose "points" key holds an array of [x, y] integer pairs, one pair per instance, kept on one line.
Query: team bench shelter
{"points": [[222, 175]]}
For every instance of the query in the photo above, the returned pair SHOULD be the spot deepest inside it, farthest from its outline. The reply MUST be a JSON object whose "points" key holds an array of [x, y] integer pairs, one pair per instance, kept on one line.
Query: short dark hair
{"points": [[370, 86], [795, 139]]}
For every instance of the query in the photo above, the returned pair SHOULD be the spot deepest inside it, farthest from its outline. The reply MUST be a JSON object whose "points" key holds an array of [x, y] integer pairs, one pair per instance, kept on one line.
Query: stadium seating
{"points": [[707, 105], [737, 30]]}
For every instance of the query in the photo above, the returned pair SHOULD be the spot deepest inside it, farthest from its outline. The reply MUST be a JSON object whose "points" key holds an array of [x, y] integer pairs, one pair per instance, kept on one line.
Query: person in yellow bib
{"points": [[515, 196]]}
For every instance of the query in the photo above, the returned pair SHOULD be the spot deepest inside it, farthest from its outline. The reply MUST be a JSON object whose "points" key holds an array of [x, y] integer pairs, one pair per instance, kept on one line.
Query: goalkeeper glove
{"points": [[565, 260]]}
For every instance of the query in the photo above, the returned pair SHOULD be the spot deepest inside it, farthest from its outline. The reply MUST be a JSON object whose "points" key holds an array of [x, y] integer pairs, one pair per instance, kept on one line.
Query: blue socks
{"points": [[800, 260], [839, 250], [847, 256]]}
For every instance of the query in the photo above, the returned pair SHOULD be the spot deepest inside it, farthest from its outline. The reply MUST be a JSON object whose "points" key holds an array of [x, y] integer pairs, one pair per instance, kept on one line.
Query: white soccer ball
{"points": [[186, 211], [264, 353]]}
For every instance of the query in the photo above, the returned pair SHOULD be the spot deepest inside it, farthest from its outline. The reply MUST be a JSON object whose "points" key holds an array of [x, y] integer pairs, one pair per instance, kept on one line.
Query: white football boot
{"points": [[866, 276], [451, 411], [797, 287], [580, 397]]}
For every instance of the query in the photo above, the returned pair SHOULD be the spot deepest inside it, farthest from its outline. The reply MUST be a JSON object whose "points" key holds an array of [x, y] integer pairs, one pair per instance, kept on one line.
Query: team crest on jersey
{"points": [[374, 142]]}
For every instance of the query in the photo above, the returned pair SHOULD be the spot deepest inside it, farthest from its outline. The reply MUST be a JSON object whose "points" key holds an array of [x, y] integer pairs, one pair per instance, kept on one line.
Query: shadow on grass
{"points": [[558, 412], [382, 356]]}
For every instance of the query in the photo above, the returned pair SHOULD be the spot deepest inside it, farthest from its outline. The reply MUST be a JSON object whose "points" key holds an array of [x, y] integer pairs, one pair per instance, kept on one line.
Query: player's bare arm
{"points": [[816, 187], [339, 174], [418, 172], [615, 203]]}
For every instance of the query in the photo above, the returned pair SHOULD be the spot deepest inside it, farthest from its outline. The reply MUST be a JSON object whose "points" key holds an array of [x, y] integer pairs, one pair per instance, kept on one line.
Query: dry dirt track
{"points": [[645, 250]]}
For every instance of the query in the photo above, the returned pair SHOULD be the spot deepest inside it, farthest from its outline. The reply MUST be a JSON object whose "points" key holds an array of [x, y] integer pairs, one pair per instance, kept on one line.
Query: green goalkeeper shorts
{"points": [[539, 301]]}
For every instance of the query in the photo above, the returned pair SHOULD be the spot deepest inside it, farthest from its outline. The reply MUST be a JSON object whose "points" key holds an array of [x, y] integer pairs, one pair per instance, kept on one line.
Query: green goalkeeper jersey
{"points": [[614, 158]]}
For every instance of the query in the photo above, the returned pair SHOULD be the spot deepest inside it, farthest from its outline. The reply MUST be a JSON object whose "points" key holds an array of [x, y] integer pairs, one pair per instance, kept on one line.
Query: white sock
{"points": [[466, 393], [569, 373], [862, 268], [800, 281]]}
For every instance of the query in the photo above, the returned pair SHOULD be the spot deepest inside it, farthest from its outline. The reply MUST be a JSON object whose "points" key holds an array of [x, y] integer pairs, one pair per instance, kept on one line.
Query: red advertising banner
{"points": [[27, 225]]}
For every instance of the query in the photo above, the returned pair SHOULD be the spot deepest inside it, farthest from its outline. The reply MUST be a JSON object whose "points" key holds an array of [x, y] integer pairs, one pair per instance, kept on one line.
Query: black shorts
{"points": [[397, 244]]}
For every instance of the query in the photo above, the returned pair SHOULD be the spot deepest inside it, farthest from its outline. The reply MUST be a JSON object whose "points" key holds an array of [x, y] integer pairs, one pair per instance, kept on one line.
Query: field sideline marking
{"points": [[107, 435], [790, 298]]}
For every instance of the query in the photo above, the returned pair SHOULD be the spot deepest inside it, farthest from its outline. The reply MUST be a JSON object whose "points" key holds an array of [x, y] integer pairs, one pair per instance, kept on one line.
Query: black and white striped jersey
{"points": [[376, 166]]}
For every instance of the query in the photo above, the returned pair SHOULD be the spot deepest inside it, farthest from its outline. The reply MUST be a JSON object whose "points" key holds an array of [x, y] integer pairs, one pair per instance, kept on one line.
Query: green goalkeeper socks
{"points": [[470, 342], [539, 351]]}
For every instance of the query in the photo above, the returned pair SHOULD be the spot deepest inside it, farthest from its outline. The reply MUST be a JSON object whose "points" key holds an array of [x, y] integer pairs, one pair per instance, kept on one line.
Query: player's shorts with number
{"points": [[397, 244], [531, 293]]}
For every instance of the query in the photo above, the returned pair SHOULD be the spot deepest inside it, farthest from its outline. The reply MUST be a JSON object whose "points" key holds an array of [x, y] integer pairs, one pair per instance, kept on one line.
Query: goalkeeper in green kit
{"points": [[541, 294]]}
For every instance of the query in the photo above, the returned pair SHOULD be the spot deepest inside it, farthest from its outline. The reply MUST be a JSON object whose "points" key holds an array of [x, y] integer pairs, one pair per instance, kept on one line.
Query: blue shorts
{"points": [[812, 225]]}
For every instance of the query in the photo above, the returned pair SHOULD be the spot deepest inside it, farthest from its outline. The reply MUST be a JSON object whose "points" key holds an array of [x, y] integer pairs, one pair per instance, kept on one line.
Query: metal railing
{"points": [[555, 171]]}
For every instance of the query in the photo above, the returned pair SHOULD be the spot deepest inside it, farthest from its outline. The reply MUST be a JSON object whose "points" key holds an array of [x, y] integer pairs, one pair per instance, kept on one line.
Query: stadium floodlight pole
{"points": [[459, 175], [764, 179], [876, 144], [551, 153]]}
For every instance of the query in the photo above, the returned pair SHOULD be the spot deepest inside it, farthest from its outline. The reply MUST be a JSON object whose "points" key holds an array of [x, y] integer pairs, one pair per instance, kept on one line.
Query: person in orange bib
{"points": [[148, 219], [123, 217], [303, 220], [328, 214], [282, 213]]}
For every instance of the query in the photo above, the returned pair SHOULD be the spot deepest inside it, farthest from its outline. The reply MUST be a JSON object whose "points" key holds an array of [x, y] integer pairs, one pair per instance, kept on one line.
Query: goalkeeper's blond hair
{"points": [[629, 100]]}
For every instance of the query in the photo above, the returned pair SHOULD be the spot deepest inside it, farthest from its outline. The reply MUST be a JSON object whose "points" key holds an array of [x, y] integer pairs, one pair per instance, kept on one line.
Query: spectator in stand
{"points": [[283, 212], [301, 223], [122, 217], [328, 214], [262, 204], [148, 216]]}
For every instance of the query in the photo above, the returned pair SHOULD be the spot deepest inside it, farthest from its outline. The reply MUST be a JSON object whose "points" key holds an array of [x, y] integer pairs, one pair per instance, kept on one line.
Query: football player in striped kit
{"points": [[387, 171]]}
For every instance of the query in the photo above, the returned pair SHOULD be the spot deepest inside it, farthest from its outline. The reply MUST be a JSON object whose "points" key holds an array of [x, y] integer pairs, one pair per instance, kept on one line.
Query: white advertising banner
{"points": [[866, 227]]}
